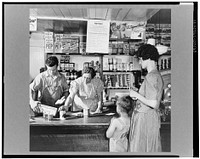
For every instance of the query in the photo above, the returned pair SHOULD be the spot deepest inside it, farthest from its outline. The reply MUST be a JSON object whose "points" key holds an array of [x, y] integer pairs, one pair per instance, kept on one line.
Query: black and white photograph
{"points": [[99, 79]]}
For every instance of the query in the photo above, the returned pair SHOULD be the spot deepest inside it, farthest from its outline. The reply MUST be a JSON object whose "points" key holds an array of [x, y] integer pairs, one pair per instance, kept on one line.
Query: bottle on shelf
{"points": [[109, 82], [117, 81], [111, 65], [114, 64], [127, 66], [119, 66], [131, 66]]}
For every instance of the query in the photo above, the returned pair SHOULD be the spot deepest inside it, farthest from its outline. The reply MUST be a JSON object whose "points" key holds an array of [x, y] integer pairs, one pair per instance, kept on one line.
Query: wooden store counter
{"points": [[78, 134], [71, 134]]}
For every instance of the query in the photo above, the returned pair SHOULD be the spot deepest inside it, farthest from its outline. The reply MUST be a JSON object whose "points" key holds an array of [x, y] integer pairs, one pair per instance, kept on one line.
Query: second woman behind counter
{"points": [[85, 92]]}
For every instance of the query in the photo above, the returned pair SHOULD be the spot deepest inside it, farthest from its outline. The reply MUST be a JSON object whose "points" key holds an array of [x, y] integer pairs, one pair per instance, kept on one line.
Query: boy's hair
{"points": [[148, 51], [89, 70], [126, 104], [51, 61]]}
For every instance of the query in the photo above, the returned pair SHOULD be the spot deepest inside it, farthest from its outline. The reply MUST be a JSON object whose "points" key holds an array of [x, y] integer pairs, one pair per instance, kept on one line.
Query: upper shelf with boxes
{"points": [[160, 32]]}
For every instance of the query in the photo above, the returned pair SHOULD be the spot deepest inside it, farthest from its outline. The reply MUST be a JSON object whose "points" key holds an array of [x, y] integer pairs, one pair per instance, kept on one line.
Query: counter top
{"points": [[98, 119]]}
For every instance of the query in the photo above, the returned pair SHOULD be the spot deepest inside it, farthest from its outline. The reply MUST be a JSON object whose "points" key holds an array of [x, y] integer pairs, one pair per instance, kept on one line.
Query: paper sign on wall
{"points": [[33, 23], [97, 36], [48, 45]]}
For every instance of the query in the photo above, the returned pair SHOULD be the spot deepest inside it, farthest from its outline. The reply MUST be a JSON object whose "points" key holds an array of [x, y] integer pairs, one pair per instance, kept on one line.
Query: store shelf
{"points": [[107, 71], [117, 88], [165, 72], [79, 54], [132, 40]]}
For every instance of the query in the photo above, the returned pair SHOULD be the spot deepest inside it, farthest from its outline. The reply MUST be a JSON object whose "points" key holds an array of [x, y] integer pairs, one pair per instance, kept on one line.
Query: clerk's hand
{"points": [[60, 101], [63, 108], [35, 105]]}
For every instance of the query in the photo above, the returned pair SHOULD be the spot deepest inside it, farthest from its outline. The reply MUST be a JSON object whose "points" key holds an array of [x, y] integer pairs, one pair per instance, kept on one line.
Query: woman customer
{"points": [[85, 92], [145, 122]]}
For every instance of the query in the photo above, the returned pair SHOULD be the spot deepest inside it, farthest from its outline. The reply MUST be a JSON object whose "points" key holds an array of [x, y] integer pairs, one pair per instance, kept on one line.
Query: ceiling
{"points": [[74, 20]]}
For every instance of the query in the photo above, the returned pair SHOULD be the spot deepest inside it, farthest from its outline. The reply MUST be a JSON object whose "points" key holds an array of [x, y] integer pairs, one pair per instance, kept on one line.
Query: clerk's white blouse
{"points": [[87, 95]]}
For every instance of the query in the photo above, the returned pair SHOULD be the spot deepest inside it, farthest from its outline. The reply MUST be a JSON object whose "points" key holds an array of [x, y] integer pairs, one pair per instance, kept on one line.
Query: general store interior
{"points": [[72, 21]]}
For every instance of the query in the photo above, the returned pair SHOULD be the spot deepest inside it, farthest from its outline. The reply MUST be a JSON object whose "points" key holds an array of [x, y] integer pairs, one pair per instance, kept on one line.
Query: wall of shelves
{"points": [[121, 50], [160, 32]]}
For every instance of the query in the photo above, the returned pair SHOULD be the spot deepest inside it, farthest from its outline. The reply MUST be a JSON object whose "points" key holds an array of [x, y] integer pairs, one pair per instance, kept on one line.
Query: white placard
{"points": [[33, 24], [97, 36]]}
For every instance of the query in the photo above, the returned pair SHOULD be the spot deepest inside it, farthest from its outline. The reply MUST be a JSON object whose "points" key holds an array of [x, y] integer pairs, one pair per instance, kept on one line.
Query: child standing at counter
{"points": [[119, 127]]}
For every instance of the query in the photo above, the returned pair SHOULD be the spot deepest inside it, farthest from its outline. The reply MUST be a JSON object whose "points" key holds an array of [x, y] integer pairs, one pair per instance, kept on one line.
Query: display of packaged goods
{"points": [[132, 48], [69, 66], [48, 45], [126, 48], [62, 66], [120, 45], [150, 25], [114, 47], [150, 30], [48, 35], [110, 48], [58, 47], [70, 46], [58, 37], [66, 36], [65, 58]]}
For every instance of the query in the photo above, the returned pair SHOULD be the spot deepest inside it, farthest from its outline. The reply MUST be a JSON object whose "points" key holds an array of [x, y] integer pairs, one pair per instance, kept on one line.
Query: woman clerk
{"points": [[85, 92]]}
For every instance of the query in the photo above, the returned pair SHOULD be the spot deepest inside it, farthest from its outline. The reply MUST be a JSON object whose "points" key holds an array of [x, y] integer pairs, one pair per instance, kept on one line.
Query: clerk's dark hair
{"points": [[51, 61], [126, 104], [148, 51], [89, 70]]}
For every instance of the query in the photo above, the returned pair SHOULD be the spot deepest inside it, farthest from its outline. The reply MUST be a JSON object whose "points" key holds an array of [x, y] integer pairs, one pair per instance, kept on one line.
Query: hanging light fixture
{"points": [[161, 48]]}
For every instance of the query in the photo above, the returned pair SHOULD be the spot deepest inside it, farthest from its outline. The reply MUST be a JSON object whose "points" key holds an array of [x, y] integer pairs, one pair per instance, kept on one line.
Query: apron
{"points": [[86, 97], [51, 92]]}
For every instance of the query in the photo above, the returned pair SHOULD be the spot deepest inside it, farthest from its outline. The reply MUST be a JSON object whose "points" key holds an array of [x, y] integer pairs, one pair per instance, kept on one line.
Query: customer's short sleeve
{"points": [[152, 88]]}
